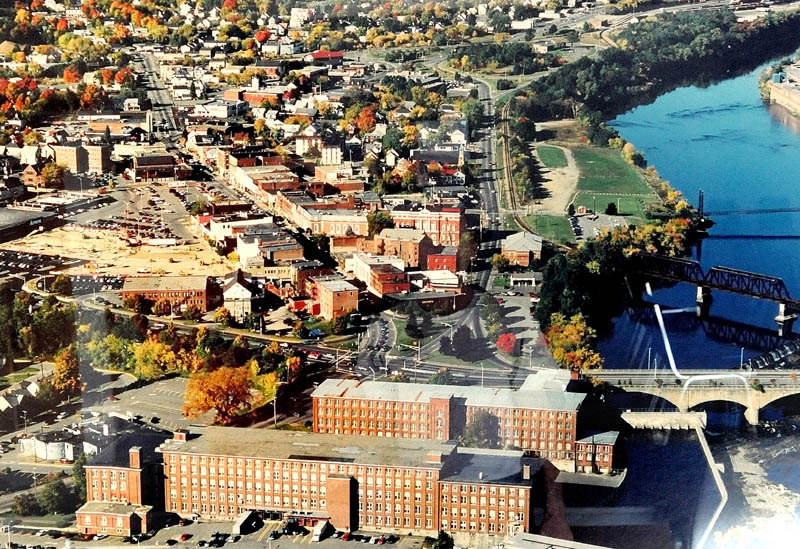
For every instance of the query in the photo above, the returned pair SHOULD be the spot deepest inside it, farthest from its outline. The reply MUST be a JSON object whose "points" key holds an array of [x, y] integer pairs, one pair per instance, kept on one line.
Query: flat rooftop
{"points": [[155, 283], [490, 467], [490, 397], [12, 217], [271, 444]]}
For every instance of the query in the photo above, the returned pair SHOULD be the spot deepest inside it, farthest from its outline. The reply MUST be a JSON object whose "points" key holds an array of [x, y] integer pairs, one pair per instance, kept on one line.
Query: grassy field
{"points": [[551, 227], [551, 157], [633, 206], [604, 170], [404, 339]]}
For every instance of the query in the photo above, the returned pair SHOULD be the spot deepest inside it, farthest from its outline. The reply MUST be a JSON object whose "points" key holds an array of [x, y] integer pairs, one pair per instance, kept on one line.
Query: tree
{"points": [[199, 207], [162, 307], [500, 262], [71, 75], [53, 175], [338, 325], [379, 220], [152, 359], [611, 209], [462, 338], [443, 541], [192, 312], [412, 329], [26, 505], [223, 316], [442, 377], [62, 285], [571, 341], [136, 303], [79, 477], [507, 343], [445, 345], [107, 136], [55, 497], [66, 374], [226, 390], [482, 431], [571, 209]]}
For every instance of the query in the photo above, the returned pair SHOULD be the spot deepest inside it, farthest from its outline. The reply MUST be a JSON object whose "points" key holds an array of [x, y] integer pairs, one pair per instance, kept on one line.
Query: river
{"points": [[724, 140], [744, 155]]}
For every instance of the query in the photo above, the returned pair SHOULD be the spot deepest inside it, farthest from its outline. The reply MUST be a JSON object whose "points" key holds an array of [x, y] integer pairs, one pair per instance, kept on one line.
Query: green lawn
{"points": [[404, 339], [551, 157], [604, 170], [633, 206], [502, 282], [551, 227], [16, 377]]}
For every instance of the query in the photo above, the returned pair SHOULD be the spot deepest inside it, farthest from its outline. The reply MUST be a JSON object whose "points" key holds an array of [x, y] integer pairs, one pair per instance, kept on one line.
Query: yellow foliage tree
{"points": [[226, 390]]}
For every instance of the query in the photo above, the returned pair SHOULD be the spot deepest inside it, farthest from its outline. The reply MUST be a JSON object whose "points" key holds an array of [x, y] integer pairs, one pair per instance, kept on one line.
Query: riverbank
{"points": [[768, 511]]}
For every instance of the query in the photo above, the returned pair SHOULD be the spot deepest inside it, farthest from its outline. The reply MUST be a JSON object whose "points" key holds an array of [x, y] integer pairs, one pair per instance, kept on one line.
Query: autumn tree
{"points": [[507, 343], [66, 374], [53, 175], [223, 316], [365, 121], [226, 390], [62, 285], [571, 342], [162, 307], [152, 359], [71, 75]]}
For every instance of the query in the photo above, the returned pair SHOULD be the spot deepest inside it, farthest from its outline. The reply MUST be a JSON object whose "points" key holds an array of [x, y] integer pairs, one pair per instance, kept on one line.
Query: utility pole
{"points": [[481, 373]]}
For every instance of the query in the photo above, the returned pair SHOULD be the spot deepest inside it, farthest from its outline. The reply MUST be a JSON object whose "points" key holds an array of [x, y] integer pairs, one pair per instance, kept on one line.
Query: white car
{"points": [[41, 533], [62, 415]]}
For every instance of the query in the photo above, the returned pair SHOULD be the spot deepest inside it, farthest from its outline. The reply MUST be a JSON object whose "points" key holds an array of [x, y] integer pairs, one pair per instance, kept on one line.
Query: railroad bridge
{"points": [[753, 390], [734, 281]]}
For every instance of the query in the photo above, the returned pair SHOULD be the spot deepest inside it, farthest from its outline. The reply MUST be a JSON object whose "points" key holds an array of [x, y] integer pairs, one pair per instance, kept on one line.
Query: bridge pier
{"points": [[751, 415], [785, 320], [703, 301]]}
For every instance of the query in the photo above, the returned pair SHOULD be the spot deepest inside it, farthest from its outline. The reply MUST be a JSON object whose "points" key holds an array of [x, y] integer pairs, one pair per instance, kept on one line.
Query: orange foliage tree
{"points": [[71, 75], [226, 390]]}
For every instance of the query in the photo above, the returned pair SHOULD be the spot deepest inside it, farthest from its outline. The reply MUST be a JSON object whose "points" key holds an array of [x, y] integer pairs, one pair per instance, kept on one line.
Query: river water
{"points": [[744, 155], [724, 140]]}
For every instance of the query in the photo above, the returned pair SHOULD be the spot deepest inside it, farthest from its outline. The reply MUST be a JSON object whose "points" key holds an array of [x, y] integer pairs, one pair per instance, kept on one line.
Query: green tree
{"points": [[79, 477], [192, 312], [443, 541], [338, 325], [611, 209], [379, 220], [62, 285], [199, 207], [26, 505], [482, 431], [56, 497], [136, 303], [500, 262], [445, 345], [53, 175]]}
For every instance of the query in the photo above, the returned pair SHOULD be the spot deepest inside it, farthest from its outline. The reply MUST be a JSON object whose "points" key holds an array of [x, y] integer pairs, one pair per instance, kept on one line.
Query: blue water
{"points": [[724, 140]]}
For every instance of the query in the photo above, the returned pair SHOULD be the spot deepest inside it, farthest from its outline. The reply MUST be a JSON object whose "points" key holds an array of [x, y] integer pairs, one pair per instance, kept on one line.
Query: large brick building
{"points": [[443, 224], [539, 420], [123, 486], [387, 485], [336, 297], [181, 291]]}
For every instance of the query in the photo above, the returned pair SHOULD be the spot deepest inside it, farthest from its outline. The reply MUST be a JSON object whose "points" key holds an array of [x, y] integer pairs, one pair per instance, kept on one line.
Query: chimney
{"points": [[135, 457], [526, 471], [480, 475], [180, 435], [434, 457], [105, 429]]}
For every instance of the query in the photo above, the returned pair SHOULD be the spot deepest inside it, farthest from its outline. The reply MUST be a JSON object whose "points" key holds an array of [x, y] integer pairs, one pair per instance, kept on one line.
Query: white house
{"points": [[237, 293]]}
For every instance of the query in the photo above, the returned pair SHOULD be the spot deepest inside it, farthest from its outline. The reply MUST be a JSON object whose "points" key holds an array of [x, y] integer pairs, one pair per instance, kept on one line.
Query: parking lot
{"points": [[517, 307], [590, 225], [18, 262], [159, 404], [198, 534]]}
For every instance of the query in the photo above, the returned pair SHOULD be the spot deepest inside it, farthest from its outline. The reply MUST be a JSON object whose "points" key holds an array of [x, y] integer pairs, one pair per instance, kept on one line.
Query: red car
{"points": [[185, 536], [346, 536], [65, 461]]}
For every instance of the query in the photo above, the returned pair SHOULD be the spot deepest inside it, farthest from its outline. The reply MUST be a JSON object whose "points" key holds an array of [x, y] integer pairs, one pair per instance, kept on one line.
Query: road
{"points": [[163, 104]]}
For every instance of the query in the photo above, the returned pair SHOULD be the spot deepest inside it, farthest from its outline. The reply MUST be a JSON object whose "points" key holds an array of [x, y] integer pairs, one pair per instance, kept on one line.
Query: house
{"points": [[322, 57], [32, 177], [522, 248], [238, 292]]}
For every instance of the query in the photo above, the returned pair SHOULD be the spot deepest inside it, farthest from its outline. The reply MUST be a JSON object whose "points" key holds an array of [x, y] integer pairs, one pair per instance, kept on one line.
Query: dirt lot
{"points": [[108, 254]]}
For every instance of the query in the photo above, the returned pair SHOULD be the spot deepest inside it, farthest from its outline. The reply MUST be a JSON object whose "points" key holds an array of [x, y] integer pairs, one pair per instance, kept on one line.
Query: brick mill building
{"points": [[541, 421], [389, 485], [181, 291], [123, 486]]}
